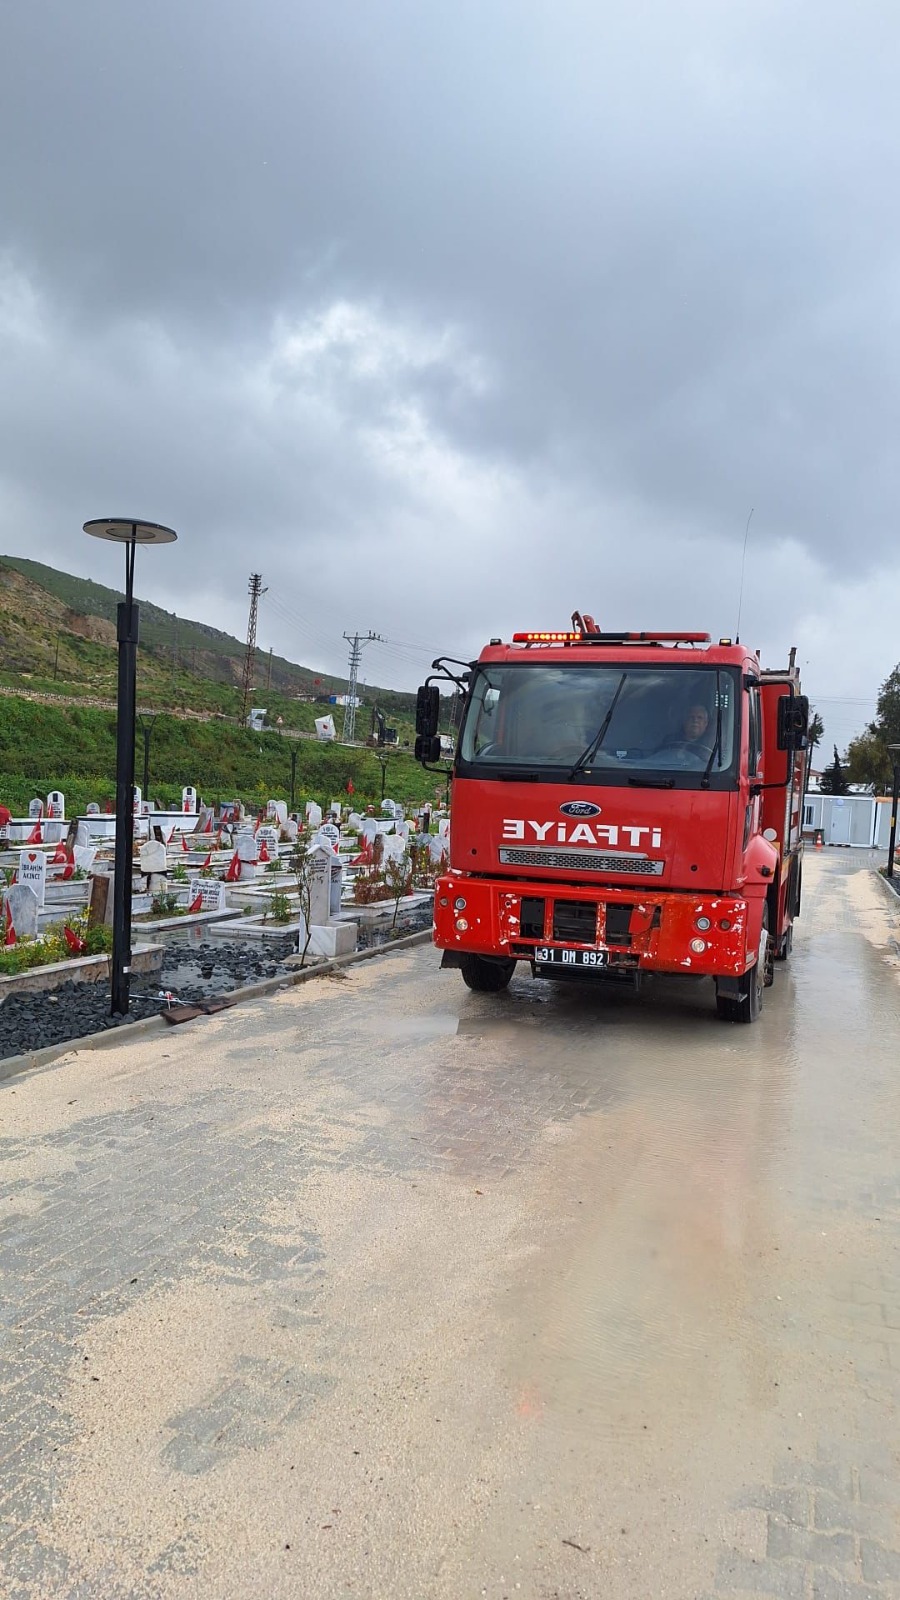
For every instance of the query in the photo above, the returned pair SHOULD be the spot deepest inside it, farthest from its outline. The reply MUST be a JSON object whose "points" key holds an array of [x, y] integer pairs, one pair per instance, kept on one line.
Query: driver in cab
{"points": [[696, 742]]}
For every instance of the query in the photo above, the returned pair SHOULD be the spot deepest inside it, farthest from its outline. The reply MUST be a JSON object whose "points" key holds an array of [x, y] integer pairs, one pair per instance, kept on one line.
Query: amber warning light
{"points": [[547, 638]]}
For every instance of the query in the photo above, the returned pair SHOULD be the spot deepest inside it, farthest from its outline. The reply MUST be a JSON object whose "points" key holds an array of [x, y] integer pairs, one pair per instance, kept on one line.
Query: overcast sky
{"points": [[449, 316]]}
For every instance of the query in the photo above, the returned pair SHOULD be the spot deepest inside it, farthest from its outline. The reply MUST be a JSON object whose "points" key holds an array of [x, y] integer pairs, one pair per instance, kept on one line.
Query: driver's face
{"points": [[696, 722]]}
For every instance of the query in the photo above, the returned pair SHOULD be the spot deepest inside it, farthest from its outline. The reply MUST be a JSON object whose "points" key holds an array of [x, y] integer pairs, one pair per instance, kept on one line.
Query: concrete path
{"points": [[384, 1289]]}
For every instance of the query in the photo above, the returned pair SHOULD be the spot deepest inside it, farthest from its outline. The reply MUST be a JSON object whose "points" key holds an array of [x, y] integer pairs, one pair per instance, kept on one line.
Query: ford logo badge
{"points": [[580, 808]]}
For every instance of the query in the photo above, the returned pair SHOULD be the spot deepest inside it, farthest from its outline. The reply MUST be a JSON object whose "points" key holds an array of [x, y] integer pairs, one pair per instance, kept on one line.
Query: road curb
{"points": [[15, 1066], [891, 890]]}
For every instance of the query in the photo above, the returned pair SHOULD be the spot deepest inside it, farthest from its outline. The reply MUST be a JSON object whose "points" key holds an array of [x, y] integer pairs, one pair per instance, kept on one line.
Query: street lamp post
{"points": [[147, 726], [294, 754], [895, 796], [131, 533]]}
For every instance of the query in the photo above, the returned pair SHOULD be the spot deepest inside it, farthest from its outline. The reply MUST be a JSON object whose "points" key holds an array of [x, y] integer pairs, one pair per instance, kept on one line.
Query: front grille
{"points": [[583, 861], [531, 917], [618, 917], [574, 922]]}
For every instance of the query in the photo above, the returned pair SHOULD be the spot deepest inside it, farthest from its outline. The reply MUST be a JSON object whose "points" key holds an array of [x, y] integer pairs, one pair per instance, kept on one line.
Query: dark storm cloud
{"points": [[498, 280]]}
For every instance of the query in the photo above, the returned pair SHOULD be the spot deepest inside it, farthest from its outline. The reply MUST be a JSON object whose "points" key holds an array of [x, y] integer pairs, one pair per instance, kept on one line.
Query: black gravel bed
{"points": [[31, 1021], [195, 967]]}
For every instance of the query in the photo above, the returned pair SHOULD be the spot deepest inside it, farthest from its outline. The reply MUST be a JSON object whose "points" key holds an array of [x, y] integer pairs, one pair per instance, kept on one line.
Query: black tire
{"points": [[747, 1004], [484, 974]]}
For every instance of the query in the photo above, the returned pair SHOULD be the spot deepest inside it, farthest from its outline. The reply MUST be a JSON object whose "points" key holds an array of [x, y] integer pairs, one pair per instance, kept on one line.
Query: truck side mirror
{"points": [[793, 722], [428, 746], [428, 710]]}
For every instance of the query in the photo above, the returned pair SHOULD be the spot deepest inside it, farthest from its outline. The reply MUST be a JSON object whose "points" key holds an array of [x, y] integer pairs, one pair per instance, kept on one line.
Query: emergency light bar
{"points": [[610, 638], [547, 638]]}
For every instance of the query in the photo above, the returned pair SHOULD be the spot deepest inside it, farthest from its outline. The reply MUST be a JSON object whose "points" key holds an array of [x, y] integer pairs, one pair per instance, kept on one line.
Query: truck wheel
{"points": [[746, 1005], [769, 964], [485, 975]]}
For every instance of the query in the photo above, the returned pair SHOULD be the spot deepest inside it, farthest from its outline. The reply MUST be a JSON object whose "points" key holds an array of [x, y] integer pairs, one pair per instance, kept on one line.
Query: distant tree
{"points": [[834, 778], [868, 762], [868, 759], [814, 737]]}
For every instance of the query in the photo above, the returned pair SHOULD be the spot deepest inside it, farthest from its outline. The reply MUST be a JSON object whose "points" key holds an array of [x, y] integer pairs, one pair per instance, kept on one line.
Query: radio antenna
{"points": [[737, 636]]}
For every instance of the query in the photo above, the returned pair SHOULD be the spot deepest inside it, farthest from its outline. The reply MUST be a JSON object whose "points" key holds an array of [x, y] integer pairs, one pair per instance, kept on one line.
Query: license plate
{"points": [[553, 956]]}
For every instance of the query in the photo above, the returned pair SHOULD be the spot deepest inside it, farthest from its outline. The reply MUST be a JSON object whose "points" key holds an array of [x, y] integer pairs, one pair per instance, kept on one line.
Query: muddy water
{"points": [[566, 1292]]}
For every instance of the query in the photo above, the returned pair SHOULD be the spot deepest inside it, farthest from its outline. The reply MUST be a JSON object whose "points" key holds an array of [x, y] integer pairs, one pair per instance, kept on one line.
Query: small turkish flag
{"points": [[35, 836], [59, 855], [350, 789], [207, 862], [234, 869], [209, 826], [197, 903], [264, 851], [75, 943], [9, 937], [184, 844]]}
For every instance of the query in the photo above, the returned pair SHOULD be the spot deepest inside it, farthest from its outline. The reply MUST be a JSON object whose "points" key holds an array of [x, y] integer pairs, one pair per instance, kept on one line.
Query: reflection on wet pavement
{"points": [[564, 1292]]}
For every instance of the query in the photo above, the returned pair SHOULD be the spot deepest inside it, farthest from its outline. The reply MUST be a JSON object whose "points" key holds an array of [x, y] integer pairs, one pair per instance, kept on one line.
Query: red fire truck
{"points": [[623, 803]]}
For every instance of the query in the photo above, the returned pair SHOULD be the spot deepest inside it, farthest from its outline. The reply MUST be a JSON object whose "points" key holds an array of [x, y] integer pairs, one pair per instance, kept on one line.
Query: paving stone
{"points": [[792, 1505], [831, 1549], [826, 1586], [783, 1580], [874, 1522], [880, 1565], [814, 1475]]}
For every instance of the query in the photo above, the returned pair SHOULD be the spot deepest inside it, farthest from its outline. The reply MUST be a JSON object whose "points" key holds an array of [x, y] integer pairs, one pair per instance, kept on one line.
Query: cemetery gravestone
{"points": [[33, 872], [22, 905], [313, 814], [211, 892], [56, 805], [35, 810], [152, 857], [189, 799], [337, 884], [319, 885]]}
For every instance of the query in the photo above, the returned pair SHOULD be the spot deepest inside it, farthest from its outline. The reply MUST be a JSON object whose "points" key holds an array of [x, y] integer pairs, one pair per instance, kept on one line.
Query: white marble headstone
{"points": [[211, 892], [153, 857], [320, 884], [23, 909], [33, 872]]}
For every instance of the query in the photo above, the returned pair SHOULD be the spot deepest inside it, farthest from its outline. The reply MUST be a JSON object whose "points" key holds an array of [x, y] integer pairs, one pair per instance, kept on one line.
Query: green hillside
{"points": [[73, 748], [57, 636]]}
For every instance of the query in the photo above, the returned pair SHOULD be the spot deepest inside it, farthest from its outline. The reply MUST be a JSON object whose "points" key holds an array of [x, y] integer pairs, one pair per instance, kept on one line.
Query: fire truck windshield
{"points": [[653, 720]]}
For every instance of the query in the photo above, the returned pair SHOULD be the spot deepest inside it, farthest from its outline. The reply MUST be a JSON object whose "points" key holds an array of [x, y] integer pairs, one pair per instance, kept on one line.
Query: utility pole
{"points": [[56, 657], [255, 589], [356, 642], [269, 674]]}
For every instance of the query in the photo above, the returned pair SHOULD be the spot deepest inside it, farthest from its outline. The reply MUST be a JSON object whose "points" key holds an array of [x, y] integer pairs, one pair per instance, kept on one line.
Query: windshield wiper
{"points": [[588, 754], [717, 744], [652, 783]]}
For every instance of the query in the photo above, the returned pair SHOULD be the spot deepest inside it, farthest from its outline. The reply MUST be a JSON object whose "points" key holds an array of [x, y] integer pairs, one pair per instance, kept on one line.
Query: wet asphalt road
{"points": [[383, 1289]]}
